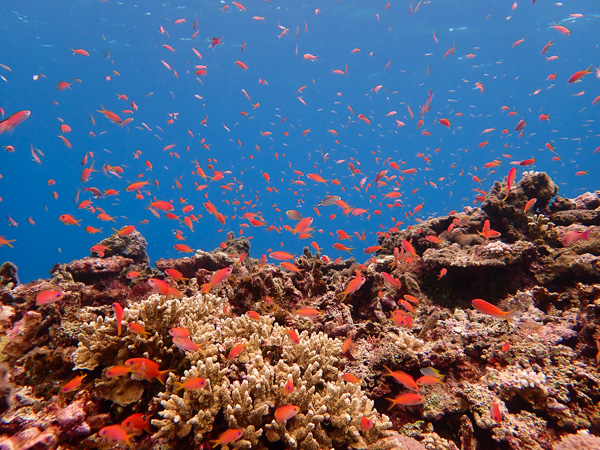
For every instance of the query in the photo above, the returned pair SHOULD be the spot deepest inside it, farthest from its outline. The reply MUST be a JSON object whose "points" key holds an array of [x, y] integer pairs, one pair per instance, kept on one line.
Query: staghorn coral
{"points": [[247, 389]]}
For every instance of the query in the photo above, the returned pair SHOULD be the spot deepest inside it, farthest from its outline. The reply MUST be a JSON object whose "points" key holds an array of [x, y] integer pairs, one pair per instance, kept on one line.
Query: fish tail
{"points": [[205, 288], [392, 402], [162, 375], [509, 316], [178, 386]]}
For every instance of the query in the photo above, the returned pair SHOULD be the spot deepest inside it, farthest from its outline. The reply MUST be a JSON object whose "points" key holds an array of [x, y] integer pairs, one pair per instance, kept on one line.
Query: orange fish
{"points": [[512, 175], [495, 413], [406, 399], [218, 277], [117, 371], [293, 335], [353, 285], [286, 412], [288, 388], [190, 384], [401, 377], [487, 308], [235, 351], [116, 434], [138, 328], [118, 309], [487, 232], [229, 436], [73, 384], [68, 219], [163, 288], [137, 424], [146, 369], [366, 424]]}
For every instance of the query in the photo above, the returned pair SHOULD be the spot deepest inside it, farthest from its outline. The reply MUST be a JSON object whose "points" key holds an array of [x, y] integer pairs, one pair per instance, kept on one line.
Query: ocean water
{"points": [[283, 116]]}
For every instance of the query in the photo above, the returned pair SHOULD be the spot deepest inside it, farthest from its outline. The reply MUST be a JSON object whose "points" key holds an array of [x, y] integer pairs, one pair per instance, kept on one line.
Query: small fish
{"points": [[286, 412], [487, 308], [293, 335], [137, 424], [190, 384], [146, 369], [117, 371], [311, 313], [73, 384], [218, 277], [329, 200], [179, 332], [139, 329], [288, 388], [48, 296], [406, 399], [163, 288], [431, 372], [402, 378], [366, 424], [353, 285], [427, 380], [512, 175], [116, 434], [185, 344], [351, 378], [231, 435], [12, 121], [235, 351], [253, 315], [573, 236], [495, 413], [118, 309]]}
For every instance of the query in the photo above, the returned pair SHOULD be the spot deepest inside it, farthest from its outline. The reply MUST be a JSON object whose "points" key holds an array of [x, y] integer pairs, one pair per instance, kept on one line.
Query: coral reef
{"points": [[332, 341]]}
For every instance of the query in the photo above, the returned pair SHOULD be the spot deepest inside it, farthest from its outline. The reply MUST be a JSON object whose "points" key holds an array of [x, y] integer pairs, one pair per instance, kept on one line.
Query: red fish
{"points": [[215, 41], [11, 122], [577, 76], [512, 175]]}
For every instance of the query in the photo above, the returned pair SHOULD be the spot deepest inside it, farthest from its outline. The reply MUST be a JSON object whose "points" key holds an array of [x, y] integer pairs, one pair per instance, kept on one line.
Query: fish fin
{"points": [[510, 316], [162, 375]]}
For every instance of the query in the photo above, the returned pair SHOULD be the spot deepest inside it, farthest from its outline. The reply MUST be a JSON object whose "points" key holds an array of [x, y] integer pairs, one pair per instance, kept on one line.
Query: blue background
{"points": [[37, 38]]}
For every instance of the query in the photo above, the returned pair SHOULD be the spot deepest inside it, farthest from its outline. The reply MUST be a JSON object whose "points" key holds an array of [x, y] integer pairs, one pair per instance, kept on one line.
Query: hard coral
{"points": [[247, 389]]}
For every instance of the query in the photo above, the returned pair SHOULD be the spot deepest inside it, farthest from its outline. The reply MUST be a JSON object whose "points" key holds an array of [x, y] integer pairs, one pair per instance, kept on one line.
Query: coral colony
{"points": [[479, 329]]}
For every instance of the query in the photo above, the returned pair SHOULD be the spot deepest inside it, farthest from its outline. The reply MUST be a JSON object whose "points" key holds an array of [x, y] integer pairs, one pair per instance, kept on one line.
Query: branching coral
{"points": [[245, 389]]}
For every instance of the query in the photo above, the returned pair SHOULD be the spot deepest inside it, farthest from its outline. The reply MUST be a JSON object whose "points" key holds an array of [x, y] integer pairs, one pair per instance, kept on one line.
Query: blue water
{"points": [[125, 48]]}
